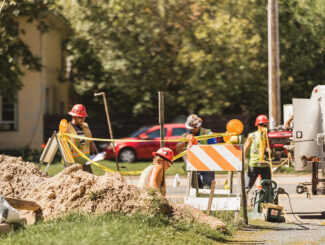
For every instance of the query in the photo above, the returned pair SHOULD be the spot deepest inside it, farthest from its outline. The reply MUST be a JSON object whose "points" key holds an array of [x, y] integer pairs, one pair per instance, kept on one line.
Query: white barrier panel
{"points": [[207, 192], [220, 203]]}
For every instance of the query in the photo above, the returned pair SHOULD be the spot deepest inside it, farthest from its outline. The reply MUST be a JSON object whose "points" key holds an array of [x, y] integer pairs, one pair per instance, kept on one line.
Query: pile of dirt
{"points": [[76, 190]]}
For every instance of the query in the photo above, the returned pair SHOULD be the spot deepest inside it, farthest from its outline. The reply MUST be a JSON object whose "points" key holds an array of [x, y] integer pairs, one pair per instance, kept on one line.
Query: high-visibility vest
{"points": [[84, 148], [257, 150], [145, 179], [203, 131]]}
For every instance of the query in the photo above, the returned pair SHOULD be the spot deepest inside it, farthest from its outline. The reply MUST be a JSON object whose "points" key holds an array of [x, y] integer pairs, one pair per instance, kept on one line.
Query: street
{"points": [[304, 210]]}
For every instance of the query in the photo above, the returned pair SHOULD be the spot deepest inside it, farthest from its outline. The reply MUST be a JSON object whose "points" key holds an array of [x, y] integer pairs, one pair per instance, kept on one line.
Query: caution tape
{"points": [[201, 137], [99, 165], [65, 136]]}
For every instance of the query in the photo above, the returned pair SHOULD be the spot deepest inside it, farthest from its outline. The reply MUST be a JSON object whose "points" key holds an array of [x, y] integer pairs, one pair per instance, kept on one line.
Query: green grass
{"points": [[113, 229], [177, 167]]}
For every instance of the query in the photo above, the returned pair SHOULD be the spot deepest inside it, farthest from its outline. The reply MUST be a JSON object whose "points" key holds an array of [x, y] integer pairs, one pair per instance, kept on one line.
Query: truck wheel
{"points": [[127, 155]]}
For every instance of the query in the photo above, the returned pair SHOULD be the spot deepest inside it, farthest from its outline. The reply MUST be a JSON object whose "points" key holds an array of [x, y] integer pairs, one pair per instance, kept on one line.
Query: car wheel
{"points": [[127, 155]]}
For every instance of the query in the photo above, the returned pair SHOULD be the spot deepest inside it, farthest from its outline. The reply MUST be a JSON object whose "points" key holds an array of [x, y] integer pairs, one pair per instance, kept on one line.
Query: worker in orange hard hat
{"points": [[255, 148], [77, 126], [154, 175], [194, 125]]}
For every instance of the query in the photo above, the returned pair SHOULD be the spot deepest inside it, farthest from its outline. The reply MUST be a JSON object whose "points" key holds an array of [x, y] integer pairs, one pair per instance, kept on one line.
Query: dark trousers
{"points": [[204, 179], [87, 168], [253, 172]]}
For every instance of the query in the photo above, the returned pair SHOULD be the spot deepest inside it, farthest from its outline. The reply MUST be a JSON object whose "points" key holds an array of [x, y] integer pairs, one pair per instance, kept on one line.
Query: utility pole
{"points": [[274, 62]]}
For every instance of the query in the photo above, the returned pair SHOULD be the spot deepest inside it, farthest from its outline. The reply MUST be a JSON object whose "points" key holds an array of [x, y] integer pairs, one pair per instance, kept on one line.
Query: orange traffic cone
{"points": [[258, 182]]}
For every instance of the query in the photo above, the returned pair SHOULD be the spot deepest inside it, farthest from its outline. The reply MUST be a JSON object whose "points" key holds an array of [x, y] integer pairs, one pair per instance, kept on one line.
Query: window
{"points": [[8, 115], [178, 131], [155, 134]]}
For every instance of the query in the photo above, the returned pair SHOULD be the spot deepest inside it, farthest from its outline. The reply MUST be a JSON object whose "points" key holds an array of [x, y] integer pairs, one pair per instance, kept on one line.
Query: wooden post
{"points": [[109, 127], [161, 117], [196, 183], [213, 184], [231, 182], [274, 62], [243, 191]]}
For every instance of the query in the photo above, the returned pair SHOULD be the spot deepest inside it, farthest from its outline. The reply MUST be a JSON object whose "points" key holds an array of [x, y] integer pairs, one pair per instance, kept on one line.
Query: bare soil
{"points": [[76, 190]]}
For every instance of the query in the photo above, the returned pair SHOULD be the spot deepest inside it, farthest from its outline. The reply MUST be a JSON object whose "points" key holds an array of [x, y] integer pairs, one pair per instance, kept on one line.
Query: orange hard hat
{"points": [[261, 119], [165, 153], [78, 110]]}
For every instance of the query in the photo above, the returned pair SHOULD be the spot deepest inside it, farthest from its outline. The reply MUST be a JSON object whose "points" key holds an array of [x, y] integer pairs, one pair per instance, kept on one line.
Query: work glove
{"points": [[191, 141]]}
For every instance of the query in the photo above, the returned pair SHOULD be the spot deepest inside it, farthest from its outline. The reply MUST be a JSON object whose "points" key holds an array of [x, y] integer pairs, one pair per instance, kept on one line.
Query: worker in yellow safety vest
{"points": [[256, 146], [77, 126], [154, 175]]}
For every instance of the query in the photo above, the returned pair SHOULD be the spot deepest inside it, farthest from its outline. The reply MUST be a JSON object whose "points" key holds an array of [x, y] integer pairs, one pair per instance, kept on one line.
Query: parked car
{"points": [[132, 151]]}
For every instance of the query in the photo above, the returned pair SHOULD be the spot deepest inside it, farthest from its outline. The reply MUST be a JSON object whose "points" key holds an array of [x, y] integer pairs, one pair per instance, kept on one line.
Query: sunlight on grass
{"points": [[177, 167]]}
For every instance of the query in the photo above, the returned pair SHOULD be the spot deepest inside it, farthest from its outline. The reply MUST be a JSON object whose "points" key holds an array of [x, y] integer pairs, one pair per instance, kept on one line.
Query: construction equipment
{"points": [[308, 137], [266, 202]]}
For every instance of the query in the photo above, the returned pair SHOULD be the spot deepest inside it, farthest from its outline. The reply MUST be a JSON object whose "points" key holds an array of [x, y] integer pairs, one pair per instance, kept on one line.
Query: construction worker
{"points": [[256, 145], [154, 175], [194, 124], [77, 126]]}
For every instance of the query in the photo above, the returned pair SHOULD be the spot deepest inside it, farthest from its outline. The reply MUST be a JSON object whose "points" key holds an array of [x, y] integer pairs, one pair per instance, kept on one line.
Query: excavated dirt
{"points": [[76, 190]]}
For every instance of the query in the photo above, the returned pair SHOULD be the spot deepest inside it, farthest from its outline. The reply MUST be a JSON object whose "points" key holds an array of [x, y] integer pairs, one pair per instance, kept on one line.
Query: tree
{"points": [[209, 56]]}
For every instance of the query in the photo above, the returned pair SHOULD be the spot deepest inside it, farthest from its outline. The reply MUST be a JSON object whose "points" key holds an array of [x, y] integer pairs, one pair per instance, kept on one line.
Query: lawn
{"points": [[177, 167], [113, 229]]}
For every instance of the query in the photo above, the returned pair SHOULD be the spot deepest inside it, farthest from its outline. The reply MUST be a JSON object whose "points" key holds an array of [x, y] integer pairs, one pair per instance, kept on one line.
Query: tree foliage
{"points": [[209, 56]]}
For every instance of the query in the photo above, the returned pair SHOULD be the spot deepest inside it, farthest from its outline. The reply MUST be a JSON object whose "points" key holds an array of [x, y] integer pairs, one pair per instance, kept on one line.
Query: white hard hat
{"points": [[193, 121]]}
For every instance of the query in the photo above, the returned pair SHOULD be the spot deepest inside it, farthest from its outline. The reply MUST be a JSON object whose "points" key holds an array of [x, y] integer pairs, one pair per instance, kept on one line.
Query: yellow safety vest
{"points": [[257, 149], [84, 148]]}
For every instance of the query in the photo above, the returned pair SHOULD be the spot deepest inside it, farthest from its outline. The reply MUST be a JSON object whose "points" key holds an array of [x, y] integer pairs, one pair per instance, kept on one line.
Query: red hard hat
{"points": [[78, 110], [165, 153], [261, 119]]}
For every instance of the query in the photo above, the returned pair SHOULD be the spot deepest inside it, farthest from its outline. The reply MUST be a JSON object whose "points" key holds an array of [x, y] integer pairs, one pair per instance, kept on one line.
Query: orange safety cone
{"points": [[258, 182]]}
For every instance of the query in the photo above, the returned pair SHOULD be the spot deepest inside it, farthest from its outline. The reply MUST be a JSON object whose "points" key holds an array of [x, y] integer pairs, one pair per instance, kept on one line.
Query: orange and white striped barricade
{"points": [[218, 157]]}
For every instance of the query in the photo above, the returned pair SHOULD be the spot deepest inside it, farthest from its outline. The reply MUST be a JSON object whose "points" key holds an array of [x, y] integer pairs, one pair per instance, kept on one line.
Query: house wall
{"points": [[32, 98]]}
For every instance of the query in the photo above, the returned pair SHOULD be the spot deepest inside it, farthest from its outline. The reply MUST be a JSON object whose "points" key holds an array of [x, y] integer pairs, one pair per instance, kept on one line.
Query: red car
{"points": [[132, 151]]}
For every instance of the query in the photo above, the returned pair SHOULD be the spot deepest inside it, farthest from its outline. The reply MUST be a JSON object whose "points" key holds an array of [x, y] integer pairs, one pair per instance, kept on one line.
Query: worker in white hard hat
{"points": [[194, 125]]}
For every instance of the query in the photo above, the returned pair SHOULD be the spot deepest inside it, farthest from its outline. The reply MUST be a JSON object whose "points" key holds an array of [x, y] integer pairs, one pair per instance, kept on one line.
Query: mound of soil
{"points": [[76, 190]]}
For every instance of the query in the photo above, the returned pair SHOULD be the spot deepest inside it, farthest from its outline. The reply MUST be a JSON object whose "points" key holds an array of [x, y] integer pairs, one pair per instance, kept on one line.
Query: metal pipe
{"points": [[109, 127], [161, 117]]}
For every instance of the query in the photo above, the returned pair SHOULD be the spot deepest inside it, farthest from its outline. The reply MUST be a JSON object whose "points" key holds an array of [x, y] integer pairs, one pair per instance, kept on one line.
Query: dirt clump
{"points": [[75, 190]]}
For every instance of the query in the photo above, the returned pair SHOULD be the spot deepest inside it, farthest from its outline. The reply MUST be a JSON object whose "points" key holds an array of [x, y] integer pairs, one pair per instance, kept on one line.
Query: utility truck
{"points": [[308, 137]]}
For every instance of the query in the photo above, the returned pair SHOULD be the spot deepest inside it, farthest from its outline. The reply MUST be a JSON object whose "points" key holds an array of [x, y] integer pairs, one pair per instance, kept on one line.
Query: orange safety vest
{"points": [[84, 148], [145, 177]]}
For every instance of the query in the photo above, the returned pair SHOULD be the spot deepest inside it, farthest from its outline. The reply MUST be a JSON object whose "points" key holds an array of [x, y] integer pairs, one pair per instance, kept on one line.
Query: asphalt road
{"points": [[303, 210]]}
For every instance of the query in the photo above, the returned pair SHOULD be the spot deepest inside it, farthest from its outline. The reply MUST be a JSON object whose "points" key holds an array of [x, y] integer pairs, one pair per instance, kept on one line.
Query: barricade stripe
{"points": [[64, 150], [67, 151], [218, 158], [196, 162], [231, 158], [205, 158], [236, 151]]}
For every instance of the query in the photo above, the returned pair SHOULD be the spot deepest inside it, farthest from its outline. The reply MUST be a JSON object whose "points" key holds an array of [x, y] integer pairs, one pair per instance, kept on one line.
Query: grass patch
{"points": [[113, 229], [177, 167]]}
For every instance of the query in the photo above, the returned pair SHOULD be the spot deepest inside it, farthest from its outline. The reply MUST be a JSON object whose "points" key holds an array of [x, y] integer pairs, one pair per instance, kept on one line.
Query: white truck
{"points": [[308, 137]]}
